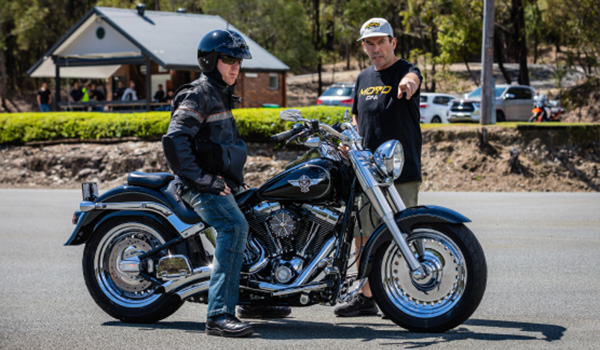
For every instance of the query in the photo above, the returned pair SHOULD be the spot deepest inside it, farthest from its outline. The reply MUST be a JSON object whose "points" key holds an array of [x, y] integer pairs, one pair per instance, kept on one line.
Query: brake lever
{"points": [[301, 134]]}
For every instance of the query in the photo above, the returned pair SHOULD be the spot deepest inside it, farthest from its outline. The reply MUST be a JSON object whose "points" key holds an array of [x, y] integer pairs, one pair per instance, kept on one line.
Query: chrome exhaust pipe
{"points": [[193, 290], [198, 274]]}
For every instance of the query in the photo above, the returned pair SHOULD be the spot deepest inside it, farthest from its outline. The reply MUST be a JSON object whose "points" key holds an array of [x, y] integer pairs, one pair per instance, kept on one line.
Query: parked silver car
{"points": [[513, 103], [434, 107], [338, 94]]}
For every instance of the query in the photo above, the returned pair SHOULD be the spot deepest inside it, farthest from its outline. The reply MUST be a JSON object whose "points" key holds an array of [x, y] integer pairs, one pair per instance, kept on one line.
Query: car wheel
{"points": [[500, 116], [436, 119]]}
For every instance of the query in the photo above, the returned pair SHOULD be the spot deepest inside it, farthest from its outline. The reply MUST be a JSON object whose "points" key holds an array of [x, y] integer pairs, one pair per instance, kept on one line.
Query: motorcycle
{"points": [[544, 111], [146, 251]]}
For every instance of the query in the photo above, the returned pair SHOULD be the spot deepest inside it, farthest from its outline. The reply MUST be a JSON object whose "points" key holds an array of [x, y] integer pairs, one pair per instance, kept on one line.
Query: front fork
{"points": [[373, 189]]}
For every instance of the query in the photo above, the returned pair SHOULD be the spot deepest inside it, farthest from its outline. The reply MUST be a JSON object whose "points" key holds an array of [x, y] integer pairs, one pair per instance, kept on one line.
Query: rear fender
{"points": [[406, 220], [89, 221]]}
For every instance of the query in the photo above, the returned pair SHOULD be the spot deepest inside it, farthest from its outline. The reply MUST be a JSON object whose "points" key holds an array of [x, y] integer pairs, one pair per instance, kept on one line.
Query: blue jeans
{"points": [[223, 214], [44, 107]]}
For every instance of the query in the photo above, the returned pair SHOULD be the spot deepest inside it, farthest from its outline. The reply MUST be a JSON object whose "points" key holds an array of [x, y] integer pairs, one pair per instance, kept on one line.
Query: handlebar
{"points": [[287, 134]]}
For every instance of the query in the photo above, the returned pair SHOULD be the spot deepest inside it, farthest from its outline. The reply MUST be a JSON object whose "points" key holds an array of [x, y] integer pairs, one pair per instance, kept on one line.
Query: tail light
{"points": [[346, 102], [76, 216], [423, 105], [319, 102]]}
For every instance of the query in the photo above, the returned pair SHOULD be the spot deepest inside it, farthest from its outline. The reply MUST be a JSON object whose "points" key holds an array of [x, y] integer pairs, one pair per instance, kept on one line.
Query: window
{"points": [[273, 81], [441, 100]]}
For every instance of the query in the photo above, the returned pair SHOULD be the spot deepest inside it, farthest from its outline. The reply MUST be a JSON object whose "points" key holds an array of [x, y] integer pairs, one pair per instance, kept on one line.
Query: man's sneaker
{"points": [[359, 306], [263, 311], [227, 325]]}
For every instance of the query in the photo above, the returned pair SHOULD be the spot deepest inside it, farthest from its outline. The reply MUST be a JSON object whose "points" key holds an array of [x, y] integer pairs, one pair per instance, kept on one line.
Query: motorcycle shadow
{"points": [[352, 328]]}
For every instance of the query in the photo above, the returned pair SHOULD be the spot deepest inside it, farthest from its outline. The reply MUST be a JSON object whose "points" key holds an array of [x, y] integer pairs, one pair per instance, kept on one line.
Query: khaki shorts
{"points": [[409, 192]]}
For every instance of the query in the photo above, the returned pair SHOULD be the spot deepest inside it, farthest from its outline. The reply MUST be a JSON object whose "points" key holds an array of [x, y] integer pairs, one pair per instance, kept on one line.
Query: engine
{"points": [[284, 239]]}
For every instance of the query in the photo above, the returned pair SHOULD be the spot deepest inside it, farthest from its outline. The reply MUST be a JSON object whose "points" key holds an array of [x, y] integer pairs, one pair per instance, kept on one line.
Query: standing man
{"points": [[386, 107], [43, 97], [203, 147]]}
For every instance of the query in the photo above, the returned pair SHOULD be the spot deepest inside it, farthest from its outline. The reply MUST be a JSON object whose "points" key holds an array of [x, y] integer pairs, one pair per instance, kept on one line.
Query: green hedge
{"points": [[255, 124]]}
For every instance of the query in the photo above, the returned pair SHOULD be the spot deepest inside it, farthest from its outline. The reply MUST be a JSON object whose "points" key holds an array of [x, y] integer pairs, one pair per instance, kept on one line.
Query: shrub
{"points": [[254, 124]]}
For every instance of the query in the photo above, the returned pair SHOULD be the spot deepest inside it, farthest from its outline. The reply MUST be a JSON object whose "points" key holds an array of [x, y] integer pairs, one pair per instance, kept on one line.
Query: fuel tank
{"points": [[315, 180]]}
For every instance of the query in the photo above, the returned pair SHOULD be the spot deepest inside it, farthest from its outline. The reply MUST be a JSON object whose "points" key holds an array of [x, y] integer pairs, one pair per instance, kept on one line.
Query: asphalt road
{"points": [[543, 254]]}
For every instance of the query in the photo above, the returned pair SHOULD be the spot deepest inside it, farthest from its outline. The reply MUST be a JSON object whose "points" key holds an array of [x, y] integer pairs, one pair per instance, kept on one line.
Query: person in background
{"points": [[386, 107], [76, 93], [96, 95], [159, 95], [130, 94], [43, 97], [118, 91]]}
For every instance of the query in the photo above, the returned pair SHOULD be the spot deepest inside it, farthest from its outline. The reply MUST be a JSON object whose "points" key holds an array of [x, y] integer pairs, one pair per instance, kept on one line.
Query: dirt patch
{"points": [[454, 159]]}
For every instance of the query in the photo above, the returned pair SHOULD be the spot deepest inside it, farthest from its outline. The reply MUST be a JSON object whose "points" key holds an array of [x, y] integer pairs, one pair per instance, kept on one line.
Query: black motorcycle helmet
{"points": [[226, 42]]}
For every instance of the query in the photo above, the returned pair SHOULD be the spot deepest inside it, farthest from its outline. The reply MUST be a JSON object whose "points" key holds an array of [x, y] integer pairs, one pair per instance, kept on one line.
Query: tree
{"points": [[459, 34]]}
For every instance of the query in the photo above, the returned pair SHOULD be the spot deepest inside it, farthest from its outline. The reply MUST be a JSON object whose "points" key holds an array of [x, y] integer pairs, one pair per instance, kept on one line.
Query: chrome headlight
{"points": [[389, 158]]}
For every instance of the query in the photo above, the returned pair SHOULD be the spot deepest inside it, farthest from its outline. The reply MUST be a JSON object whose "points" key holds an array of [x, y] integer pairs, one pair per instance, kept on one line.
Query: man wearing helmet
{"points": [[204, 149]]}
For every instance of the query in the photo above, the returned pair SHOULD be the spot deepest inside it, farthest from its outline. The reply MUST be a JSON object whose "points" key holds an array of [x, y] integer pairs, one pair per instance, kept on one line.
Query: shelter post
{"points": [[148, 82]]}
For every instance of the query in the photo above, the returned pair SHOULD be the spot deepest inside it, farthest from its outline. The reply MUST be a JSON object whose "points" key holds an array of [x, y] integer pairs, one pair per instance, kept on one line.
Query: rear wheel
{"points": [[436, 119], [125, 295], [454, 287]]}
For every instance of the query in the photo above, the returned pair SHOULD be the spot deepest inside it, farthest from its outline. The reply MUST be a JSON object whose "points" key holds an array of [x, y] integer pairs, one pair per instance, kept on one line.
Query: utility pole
{"points": [[488, 98]]}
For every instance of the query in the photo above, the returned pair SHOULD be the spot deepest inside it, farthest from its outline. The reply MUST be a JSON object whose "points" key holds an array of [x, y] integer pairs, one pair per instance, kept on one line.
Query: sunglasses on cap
{"points": [[230, 60]]}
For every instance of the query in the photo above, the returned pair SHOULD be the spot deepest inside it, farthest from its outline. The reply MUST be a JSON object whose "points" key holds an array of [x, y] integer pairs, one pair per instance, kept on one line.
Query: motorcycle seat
{"points": [[149, 180]]}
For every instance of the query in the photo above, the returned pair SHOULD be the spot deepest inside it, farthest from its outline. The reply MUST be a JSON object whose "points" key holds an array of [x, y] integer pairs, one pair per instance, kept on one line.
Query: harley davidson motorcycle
{"points": [[146, 251]]}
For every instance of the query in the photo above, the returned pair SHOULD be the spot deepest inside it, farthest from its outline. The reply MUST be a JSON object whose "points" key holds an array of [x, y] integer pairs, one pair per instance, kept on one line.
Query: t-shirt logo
{"points": [[372, 92]]}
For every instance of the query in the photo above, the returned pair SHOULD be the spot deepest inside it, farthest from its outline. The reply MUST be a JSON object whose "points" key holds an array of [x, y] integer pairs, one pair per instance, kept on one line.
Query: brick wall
{"points": [[255, 91], [253, 87]]}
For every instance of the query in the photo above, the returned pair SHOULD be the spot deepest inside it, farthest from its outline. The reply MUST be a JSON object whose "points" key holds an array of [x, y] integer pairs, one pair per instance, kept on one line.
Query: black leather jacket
{"points": [[203, 140]]}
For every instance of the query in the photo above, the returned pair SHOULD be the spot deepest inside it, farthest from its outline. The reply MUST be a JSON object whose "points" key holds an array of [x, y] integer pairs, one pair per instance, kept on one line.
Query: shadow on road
{"points": [[291, 328]]}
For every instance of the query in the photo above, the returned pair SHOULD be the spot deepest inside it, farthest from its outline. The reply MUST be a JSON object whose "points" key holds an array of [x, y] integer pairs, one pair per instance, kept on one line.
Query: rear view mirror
{"points": [[291, 115]]}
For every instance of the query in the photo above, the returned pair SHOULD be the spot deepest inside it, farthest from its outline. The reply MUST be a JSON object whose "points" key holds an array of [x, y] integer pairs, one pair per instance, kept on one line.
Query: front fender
{"points": [[406, 220]]}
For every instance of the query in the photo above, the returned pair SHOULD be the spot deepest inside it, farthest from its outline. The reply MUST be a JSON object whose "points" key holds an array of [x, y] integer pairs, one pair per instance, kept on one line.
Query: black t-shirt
{"points": [[76, 94], [98, 95], [382, 116], [44, 96], [159, 96]]}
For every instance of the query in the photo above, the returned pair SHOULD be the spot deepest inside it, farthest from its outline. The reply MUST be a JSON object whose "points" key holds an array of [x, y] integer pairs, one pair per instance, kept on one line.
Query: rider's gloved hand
{"points": [[217, 186]]}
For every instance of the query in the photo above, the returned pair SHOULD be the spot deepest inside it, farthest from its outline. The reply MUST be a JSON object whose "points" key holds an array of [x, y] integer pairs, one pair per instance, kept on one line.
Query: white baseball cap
{"points": [[375, 27]]}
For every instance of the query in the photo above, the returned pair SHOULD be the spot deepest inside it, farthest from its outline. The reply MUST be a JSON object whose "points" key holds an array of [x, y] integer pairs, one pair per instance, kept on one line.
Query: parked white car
{"points": [[434, 107]]}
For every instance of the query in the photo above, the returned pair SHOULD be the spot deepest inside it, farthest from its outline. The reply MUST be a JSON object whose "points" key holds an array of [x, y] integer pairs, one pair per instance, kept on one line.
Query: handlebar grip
{"points": [[286, 134]]}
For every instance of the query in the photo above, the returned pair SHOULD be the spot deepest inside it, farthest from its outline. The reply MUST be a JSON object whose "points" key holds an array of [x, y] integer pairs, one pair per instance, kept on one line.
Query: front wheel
{"points": [[452, 290], [122, 294]]}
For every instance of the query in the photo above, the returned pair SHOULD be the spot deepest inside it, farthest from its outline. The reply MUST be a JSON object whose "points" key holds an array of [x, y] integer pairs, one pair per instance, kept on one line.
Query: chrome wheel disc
{"points": [[444, 284], [121, 242]]}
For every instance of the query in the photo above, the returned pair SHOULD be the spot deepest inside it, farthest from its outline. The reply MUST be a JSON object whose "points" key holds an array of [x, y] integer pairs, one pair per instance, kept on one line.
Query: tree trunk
{"points": [[518, 16], [3, 73], [434, 55], [499, 51], [473, 76]]}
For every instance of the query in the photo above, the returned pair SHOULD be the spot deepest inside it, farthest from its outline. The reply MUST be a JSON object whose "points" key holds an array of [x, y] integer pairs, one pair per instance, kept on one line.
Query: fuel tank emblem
{"points": [[304, 182]]}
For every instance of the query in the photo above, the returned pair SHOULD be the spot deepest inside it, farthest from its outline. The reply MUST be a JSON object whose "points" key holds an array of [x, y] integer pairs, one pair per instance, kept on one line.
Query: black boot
{"points": [[359, 306], [227, 325], [263, 311]]}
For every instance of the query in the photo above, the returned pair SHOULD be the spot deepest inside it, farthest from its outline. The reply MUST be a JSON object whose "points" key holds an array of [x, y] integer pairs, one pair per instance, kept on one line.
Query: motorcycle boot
{"points": [[263, 311], [227, 325], [359, 306]]}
